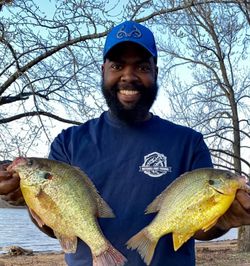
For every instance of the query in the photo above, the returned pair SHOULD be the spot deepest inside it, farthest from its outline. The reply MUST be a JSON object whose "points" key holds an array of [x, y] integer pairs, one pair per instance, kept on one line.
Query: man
{"points": [[131, 155]]}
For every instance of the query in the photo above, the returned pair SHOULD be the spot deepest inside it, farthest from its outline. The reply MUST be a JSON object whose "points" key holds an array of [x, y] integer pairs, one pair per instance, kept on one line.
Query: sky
{"points": [[159, 107]]}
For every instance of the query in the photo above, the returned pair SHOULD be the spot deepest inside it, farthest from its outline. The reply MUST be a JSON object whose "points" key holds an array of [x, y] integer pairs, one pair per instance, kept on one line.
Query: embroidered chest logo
{"points": [[155, 165]]}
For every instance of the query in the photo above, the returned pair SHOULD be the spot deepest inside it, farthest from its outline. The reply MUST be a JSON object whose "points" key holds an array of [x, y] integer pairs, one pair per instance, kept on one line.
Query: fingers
{"points": [[4, 175], [3, 166], [14, 198], [239, 212], [244, 199], [8, 183]]}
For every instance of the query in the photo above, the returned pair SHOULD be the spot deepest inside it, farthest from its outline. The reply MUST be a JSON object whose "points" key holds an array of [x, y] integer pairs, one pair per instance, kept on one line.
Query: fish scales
{"points": [[193, 202], [182, 200], [63, 198]]}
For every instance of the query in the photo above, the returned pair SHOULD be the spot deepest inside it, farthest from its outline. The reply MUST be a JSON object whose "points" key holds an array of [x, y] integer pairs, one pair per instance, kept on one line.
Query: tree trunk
{"points": [[243, 239]]}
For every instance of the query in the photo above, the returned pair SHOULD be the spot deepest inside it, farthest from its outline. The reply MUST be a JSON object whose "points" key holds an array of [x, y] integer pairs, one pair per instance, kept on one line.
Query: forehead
{"points": [[128, 49]]}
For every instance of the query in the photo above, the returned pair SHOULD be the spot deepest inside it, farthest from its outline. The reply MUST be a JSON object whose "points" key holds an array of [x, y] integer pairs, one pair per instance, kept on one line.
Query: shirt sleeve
{"points": [[201, 156], [59, 150]]}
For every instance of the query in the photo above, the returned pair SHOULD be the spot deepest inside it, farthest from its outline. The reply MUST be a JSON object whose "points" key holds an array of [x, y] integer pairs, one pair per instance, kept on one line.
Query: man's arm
{"points": [[237, 215]]}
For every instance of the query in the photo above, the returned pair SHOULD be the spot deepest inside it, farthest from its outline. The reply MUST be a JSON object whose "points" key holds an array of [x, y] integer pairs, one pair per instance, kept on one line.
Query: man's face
{"points": [[129, 82]]}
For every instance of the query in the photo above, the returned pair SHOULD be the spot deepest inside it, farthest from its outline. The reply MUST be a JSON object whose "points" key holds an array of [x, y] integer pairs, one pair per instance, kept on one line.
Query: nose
{"points": [[129, 74]]}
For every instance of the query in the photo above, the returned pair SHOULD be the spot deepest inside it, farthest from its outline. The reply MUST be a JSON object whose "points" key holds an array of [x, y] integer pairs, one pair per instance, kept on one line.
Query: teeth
{"points": [[128, 92]]}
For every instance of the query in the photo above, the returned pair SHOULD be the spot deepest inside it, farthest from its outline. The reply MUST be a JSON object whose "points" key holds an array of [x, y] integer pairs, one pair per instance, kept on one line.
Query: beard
{"points": [[137, 112]]}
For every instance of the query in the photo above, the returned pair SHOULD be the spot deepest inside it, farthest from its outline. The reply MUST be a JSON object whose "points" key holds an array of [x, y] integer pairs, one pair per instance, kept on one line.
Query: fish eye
{"points": [[47, 176], [30, 162], [229, 175], [211, 182]]}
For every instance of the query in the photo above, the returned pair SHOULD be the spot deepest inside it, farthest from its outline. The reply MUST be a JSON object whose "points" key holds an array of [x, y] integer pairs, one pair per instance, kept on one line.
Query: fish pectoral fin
{"points": [[179, 239], [68, 243], [210, 224], [46, 201], [36, 218]]}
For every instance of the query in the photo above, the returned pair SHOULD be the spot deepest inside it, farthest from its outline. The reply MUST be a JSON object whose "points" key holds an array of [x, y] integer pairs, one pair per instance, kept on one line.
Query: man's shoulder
{"points": [[84, 127], [175, 127]]}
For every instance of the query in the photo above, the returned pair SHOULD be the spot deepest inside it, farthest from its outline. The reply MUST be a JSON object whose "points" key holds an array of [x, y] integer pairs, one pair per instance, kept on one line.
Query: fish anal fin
{"points": [[179, 239], [36, 218], [68, 243]]}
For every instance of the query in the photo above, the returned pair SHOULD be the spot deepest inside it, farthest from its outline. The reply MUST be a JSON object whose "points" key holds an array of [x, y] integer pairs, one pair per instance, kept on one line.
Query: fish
{"points": [[192, 202], [63, 198]]}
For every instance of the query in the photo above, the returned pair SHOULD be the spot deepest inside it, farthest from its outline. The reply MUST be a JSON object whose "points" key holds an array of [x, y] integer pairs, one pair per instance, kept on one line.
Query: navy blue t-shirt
{"points": [[130, 166]]}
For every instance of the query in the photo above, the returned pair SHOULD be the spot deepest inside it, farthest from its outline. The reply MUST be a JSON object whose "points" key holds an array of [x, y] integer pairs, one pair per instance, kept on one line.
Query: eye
{"points": [[211, 182], [47, 176], [145, 67], [116, 66], [30, 162], [229, 175]]}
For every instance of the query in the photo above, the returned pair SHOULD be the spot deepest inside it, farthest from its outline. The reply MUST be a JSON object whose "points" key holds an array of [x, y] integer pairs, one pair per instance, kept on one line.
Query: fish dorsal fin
{"points": [[103, 209], [155, 205], [179, 239], [68, 243]]}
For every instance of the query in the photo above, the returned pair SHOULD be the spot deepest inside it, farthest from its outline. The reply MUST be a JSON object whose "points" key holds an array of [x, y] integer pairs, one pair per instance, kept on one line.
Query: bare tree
{"points": [[210, 44], [50, 68]]}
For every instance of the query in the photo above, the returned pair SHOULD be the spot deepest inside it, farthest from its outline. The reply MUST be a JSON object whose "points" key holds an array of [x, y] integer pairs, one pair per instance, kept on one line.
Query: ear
{"points": [[156, 72]]}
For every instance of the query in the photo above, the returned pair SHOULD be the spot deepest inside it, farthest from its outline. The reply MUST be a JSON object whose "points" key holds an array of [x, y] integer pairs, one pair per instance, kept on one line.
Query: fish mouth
{"points": [[241, 183], [220, 192], [18, 161], [244, 183]]}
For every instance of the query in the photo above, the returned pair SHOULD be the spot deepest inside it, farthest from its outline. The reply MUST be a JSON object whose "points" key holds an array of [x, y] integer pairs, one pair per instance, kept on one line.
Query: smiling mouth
{"points": [[128, 92], [126, 96]]}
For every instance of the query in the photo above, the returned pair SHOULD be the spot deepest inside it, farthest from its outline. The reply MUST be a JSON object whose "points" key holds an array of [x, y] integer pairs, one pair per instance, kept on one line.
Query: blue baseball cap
{"points": [[131, 31]]}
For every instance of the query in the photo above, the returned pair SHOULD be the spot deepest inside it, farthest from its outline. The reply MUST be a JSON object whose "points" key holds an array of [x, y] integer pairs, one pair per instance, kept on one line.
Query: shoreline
{"points": [[208, 253]]}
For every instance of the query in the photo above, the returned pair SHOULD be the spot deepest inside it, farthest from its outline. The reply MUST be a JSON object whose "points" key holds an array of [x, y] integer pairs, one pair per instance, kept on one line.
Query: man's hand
{"points": [[10, 186], [238, 214]]}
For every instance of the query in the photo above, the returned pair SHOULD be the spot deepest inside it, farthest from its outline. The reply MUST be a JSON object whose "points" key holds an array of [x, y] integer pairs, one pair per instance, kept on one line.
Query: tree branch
{"points": [[29, 114]]}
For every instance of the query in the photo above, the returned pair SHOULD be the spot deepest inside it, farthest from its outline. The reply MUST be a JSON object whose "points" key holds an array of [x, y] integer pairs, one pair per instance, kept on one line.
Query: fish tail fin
{"points": [[110, 257], [144, 245]]}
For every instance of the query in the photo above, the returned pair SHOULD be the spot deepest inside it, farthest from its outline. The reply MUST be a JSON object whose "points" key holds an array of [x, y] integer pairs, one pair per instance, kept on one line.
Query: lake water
{"points": [[17, 229]]}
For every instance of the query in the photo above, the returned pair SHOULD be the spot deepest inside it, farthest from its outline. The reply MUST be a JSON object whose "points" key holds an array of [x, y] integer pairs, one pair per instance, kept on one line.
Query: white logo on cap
{"points": [[134, 33]]}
